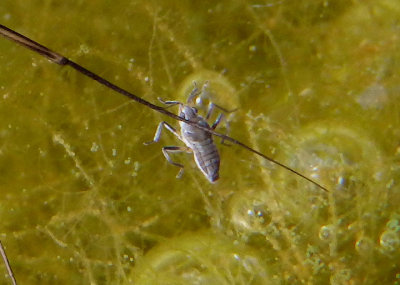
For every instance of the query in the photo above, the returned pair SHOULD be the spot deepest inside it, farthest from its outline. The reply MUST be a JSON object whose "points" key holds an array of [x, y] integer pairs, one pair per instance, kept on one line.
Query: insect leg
{"points": [[174, 149], [157, 135], [217, 121], [193, 94], [212, 106], [168, 102]]}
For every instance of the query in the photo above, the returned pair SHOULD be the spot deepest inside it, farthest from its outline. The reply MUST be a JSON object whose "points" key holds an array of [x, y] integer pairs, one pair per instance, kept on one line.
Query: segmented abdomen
{"points": [[207, 158]]}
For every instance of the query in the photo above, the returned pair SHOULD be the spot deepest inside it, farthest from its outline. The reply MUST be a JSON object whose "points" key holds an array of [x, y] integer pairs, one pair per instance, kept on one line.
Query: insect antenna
{"points": [[62, 60]]}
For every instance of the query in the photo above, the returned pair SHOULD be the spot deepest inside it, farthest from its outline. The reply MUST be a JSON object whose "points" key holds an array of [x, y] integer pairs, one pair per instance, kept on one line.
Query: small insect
{"points": [[195, 131], [197, 141]]}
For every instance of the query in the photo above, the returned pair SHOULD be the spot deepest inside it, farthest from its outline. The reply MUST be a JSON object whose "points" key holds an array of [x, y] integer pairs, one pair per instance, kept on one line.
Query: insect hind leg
{"points": [[157, 135], [175, 149]]}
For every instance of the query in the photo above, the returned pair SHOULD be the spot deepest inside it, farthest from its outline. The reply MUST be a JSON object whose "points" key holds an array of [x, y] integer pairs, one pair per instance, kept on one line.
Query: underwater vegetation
{"points": [[315, 84]]}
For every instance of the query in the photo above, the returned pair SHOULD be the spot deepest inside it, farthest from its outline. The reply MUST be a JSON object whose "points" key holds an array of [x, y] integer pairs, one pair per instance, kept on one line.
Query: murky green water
{"points": [[316, 85]]}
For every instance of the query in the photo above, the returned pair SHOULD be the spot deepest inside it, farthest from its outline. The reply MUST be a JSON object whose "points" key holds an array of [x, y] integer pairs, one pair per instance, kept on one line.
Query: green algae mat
{"points": [[314, 84]]}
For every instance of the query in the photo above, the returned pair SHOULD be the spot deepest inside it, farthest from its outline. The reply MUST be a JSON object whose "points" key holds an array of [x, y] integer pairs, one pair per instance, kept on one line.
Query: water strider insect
{"points": [[196, 140], [61, 60]]}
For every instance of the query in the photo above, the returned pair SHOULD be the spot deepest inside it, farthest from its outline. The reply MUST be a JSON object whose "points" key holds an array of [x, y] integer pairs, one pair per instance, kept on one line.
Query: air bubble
{"points": [[84, 49], [341, 277], [253, 48], [327, 232], [331, 150], [249, 213], [364, 245], [341, 180], [95, 147], [390, 241], [393, 225], [202, 258]]}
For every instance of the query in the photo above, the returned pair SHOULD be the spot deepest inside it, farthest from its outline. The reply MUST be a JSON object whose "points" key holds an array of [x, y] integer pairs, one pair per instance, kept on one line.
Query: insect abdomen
{"points": [[207, 158]]}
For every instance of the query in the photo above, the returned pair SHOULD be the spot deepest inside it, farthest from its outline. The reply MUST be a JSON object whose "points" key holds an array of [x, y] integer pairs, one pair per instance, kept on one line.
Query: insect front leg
{"points": [[217, 121], [212, 106], [170, 103], [215, 124], [157, 135], [174, 149], [194, 93]]}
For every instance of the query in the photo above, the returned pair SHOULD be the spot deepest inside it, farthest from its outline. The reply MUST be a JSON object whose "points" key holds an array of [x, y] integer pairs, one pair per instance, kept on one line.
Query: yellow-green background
{"points": [[316, 84]]}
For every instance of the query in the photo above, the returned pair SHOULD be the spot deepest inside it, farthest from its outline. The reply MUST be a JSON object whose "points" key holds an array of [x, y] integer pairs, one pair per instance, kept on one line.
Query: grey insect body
{"points": [[197, 141], [201, 143]]}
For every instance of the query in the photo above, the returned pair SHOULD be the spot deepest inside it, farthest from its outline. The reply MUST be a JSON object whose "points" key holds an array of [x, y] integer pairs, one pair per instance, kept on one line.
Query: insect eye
{"points": [[194, 110]]}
